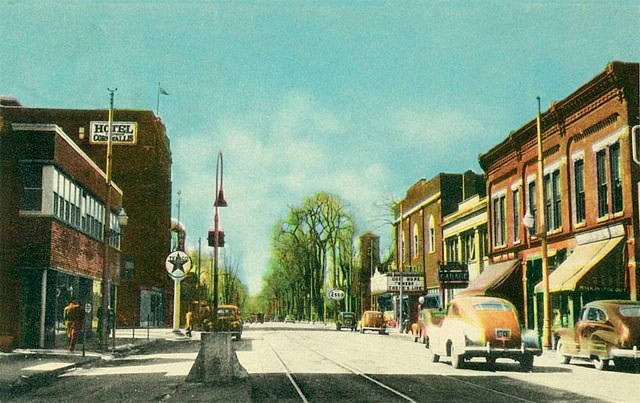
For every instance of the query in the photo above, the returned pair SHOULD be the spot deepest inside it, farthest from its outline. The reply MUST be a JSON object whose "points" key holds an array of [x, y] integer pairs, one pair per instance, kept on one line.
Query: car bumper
{"points": [[501, 352], [626, 353], [376, 329]]}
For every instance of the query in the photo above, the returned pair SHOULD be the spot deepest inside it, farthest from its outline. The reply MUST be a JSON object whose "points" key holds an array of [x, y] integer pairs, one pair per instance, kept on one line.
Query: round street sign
{"points": [[335, 294], [178, 264]]}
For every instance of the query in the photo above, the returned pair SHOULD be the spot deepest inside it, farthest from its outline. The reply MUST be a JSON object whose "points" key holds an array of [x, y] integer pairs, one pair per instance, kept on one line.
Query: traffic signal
{"points": [[212, 238]]}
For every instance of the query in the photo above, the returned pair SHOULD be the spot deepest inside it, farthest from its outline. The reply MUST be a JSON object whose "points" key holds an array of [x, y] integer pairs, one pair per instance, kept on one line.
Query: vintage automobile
{"points": [[374, 321], [606, 330], [481, 326], [229, 320], [346, 319]]}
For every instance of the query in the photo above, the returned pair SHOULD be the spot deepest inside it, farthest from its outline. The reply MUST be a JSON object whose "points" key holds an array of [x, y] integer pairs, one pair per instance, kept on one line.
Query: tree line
{"points": [[313, 251]]}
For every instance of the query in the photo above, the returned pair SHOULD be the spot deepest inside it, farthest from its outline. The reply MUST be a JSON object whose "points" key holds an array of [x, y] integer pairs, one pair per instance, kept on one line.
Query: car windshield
{"points": [[491, 306], [347, 315], [225, 312], [630, 310]]}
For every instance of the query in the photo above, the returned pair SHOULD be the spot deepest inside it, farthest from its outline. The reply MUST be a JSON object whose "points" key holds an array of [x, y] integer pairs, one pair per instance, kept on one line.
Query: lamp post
{"points": [[105, 288], [528, 221], [217, 238]]}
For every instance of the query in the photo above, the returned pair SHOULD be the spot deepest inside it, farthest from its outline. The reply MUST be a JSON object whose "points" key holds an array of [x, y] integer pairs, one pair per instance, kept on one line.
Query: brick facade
{"points": [[578, 133]]}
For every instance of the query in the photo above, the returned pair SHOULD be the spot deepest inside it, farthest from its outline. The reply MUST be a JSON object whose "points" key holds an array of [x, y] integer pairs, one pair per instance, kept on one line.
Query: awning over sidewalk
{"points": [[491, 278], [584, 258]]}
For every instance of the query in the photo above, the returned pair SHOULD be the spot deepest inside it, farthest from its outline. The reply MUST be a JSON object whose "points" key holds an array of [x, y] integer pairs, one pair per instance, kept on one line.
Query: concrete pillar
{"points": [[217, 362]]}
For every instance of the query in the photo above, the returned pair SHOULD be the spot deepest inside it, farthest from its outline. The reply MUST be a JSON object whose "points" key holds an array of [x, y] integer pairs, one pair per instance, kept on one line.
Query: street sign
{"points": [[335, 294], [178, 265]]}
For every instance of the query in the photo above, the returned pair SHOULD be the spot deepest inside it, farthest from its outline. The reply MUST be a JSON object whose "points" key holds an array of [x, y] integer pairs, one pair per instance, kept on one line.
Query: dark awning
{"points": [[491, 278]]}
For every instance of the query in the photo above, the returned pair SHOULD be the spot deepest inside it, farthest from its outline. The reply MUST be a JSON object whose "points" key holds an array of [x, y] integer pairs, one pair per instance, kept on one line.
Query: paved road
{"points": [[294, 363]]}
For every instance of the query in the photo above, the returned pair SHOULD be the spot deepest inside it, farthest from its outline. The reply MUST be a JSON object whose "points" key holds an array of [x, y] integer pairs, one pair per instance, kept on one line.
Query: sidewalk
{"points": [[21, 369]]}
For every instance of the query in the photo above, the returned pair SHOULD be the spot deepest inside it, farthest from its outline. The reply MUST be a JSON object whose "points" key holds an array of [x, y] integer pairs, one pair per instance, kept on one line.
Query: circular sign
{"points": [[335, 295], [87, 307], [178, 264]]}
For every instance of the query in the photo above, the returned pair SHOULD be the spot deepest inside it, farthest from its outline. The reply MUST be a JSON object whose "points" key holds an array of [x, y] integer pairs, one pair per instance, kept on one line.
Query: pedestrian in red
{"points": [[76, 320]]}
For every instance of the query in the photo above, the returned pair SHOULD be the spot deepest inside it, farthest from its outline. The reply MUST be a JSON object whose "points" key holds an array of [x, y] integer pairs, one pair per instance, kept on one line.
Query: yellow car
{"points": [[229, 320], [374, 321]]}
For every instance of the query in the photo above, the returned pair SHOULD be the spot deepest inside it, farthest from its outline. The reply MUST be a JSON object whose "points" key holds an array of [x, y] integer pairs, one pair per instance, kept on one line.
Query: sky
{"points": [[358, 98]]}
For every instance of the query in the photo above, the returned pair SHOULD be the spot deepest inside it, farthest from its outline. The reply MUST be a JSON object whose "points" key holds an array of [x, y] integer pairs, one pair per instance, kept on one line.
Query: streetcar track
{"points": [[355, 371]]}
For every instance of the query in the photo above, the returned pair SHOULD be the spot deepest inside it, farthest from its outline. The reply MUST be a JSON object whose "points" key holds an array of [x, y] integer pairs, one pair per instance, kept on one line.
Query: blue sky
{"points": [[359, 98]]}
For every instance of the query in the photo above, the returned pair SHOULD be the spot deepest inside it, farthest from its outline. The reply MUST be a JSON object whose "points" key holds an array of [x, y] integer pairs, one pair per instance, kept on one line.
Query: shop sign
{"points": [[121, 133], [453, 273]]}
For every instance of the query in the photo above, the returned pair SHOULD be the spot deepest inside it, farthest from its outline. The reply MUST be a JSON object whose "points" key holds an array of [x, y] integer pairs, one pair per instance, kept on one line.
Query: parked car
{"points": [[229, 320], [374, 321], [289, 319], [346, 319], [481, 326], [607, 330]]}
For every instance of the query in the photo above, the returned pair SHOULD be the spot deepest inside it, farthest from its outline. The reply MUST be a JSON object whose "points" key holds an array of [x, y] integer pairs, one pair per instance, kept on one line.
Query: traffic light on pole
{"points": [[212, 238]]}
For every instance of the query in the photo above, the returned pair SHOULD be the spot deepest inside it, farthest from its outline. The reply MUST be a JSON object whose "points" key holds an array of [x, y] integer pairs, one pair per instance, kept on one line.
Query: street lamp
{"points": [[216, 239], [528, 221]]}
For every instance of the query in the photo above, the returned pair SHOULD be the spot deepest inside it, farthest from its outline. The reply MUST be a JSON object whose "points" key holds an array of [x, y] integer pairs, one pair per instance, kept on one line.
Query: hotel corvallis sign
{"points": [[123, 133], [453, 274]]}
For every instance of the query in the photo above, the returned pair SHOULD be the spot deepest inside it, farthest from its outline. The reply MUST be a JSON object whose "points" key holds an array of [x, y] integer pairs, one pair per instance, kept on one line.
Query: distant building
{"points": [[142, 168], [419, 227], [369, 261], [591, 198]]}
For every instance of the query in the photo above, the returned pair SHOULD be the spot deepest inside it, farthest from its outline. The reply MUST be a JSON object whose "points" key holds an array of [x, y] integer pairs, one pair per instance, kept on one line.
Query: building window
{"points": [[498, 220], [402, 243], [452, 249], [531, 194], [31, 197], [415, 244], [553, 201], [616, 180], [515, 200], [601, 172], [578, 186], [609, 179], [432, 235]]}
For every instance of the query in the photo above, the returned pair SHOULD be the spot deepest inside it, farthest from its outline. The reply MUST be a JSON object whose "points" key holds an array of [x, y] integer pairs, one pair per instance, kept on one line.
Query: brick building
{"points": [[141, 160], [591, 197], [418, 226], [52, 233]]}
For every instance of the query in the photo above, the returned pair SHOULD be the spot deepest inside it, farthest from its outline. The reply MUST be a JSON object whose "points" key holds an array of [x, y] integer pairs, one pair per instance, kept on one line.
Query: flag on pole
{"points": [[161, 91]]}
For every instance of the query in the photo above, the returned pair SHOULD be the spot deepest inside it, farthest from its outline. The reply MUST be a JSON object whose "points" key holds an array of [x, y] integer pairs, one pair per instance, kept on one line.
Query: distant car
{"points": [[374, 321], [289, 319], [607, 330], [229, 320], [480, 326], [346, 319]]}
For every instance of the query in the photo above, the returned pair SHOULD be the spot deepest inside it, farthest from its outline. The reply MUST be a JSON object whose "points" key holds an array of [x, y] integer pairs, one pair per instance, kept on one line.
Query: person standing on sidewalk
{"points": [[76, 320], [188, 323], [65, 316]]}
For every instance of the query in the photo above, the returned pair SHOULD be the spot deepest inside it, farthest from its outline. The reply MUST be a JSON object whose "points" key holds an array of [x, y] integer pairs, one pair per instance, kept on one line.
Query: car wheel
{"points": [[435, 357], [456, 359], [600, 365], [338, 327], [526, 363], [362, 330], [560, 349], [426, 342]]}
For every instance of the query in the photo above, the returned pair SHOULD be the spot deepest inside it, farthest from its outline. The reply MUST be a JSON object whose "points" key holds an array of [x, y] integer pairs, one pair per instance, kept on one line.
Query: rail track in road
{"points": [[371, 385]]}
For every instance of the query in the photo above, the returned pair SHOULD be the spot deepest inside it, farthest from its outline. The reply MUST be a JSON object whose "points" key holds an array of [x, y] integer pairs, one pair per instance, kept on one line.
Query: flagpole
{"points": [[158, 101]]}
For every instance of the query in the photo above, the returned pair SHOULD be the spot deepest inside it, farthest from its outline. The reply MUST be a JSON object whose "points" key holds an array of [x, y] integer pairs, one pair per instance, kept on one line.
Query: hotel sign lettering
{"points": [[121, 132]]}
